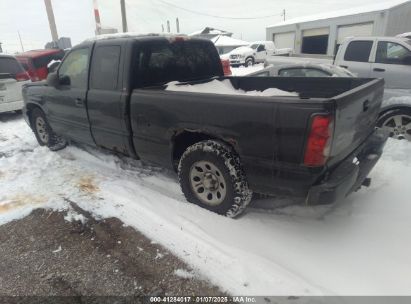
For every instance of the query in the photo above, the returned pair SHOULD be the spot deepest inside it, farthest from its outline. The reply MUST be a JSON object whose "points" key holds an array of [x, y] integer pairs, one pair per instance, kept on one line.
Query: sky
{"points": [[75, 19]]}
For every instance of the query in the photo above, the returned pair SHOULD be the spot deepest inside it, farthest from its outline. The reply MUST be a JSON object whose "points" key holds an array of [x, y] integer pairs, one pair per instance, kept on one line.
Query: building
{"points": [[62, 43], [106, 30], [225, 44], [210, 33], [323, 34]]}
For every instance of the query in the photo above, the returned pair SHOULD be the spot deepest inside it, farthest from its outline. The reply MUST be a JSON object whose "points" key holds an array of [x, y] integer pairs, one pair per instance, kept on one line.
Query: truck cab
{"points": [[378, 57]]}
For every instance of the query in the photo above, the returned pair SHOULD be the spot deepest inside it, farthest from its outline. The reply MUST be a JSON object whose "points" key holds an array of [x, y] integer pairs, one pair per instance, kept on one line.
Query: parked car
{"points": [[112, 92], [303, 70], [405, 35], [12, 78], [35, 62], [256, 52], [378, 57]]}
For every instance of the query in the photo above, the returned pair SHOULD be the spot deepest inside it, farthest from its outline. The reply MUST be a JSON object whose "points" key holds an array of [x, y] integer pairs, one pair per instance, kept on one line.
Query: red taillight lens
{"points": [[23, 76], [318, 145], [226, 67]]}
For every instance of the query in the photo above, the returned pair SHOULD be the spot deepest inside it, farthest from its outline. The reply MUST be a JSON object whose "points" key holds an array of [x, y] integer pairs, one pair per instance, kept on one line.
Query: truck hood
{"points": [[242, 50]]}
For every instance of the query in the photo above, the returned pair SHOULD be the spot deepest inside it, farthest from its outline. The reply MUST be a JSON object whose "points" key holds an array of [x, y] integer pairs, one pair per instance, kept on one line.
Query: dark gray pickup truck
{"points": [[319, 145]]}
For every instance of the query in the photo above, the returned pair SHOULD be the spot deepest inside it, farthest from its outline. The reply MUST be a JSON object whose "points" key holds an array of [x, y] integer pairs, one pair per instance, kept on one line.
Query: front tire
{"points": [[211, 176], [43, 132], [249, 62], [397, 122]]}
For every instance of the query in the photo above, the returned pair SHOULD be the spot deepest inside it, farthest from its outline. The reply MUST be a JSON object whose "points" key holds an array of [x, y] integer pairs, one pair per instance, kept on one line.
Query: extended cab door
{"points": [[261, 53], [355, 56], [393, 63], [66, 103], [106, 100]]}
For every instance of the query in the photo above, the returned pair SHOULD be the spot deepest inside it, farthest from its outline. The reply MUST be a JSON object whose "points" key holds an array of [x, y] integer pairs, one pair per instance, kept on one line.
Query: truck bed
{"points": [[269, 133]]}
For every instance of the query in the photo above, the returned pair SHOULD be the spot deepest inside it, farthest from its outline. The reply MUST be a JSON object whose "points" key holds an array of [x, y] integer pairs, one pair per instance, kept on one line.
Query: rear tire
{"points": [[397, 122], [43, 132], [211, 176]]}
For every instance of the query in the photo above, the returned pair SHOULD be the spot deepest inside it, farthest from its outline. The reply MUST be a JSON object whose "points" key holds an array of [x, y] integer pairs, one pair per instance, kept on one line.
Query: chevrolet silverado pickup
{"points": [[318, 142]]}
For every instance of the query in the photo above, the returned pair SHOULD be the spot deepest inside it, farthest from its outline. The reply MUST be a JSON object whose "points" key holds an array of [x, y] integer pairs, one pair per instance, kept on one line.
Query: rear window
{"points": [[44, 60], [358, 51], [160, 62], [10, 66]]}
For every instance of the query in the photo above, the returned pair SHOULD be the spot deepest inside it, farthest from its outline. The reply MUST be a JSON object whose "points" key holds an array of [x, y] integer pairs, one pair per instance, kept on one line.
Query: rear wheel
{"points": [[44, 134], [397, 122], [211, 176]]}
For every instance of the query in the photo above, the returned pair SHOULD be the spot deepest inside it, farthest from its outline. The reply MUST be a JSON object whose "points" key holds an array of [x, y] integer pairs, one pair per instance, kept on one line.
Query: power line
{"points": [[216, 16]]}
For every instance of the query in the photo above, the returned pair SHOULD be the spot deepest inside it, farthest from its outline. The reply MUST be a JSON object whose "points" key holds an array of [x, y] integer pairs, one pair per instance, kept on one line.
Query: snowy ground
{"points": [[360, 247]]}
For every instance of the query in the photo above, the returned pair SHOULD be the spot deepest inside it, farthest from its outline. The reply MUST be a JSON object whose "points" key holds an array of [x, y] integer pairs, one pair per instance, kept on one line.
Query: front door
{"points": [[392, 62], [66, 103]]}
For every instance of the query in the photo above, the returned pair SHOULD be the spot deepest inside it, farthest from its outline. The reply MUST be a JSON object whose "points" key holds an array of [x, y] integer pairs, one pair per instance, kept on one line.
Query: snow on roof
{"points": [[210, 30], [346, 12], [405, 35], [222, 40]]}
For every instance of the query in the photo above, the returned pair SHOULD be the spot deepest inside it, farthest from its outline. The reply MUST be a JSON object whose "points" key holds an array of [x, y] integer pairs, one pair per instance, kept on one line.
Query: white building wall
{"points": [[399, 20], [379, 20]]}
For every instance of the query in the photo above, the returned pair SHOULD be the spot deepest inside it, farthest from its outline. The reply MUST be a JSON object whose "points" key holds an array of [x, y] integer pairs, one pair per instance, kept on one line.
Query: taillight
{"points": [[23, 76], [318, 145]]}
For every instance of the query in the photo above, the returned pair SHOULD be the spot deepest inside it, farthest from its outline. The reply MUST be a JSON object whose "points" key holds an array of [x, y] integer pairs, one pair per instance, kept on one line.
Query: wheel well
{"points": [[393, 108], [250, 57], [186, 139]]}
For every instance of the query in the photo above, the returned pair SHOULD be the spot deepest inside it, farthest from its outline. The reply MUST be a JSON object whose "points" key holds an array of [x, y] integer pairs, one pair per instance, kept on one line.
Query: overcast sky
{"points": [[75, 19]]}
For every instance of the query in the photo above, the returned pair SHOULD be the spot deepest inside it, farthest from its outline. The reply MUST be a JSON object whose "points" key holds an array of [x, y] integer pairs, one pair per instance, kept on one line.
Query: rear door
{"points": [[66, 103], [392, 62], [356, 57], [106, 100]]}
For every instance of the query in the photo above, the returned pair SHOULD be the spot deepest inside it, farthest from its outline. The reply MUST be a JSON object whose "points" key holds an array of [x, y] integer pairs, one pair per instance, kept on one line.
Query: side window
{"points": [[358, 51], [391, 53], [73, 70], [261, 48], [104, 67]]}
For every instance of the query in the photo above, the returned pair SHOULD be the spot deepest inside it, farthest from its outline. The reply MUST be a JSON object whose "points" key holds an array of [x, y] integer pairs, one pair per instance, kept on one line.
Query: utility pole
{"points": [[162, 28], [124, 15], [21, 42], [168, 26], [283, 14], [97, 17], [52, 22], [177, 25]]}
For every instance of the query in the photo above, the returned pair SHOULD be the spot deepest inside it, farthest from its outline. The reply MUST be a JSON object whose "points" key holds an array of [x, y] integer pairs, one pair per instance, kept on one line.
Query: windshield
{"points": [[254, 46], [10, 66]]}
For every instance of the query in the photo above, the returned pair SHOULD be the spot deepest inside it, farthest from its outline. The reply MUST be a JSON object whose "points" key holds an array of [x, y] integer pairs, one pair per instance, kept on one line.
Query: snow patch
{"points": [[184, 274], [223, 87], [74, 216]]}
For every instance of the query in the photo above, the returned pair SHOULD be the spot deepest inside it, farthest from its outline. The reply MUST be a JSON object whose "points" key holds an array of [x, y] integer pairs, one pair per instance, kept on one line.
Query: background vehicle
{"points": [[378, 57], [12, 77], [112, 93], [303, 70], [35, 62], [405, 35], [256, 52]]}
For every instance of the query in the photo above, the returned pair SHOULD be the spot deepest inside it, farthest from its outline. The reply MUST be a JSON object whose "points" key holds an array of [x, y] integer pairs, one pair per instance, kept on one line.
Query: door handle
{"points": [[379, 70], [79, 102]]}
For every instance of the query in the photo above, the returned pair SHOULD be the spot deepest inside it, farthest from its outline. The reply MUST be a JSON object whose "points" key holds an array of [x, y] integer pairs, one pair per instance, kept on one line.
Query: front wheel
{"points": [[43, 132], [397, 122], [211, 176], [249, 62]]}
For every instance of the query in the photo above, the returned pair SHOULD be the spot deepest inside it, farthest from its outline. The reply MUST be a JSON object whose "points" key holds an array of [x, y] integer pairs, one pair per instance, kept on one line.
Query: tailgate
{"points": [[10, 90], [356, 113]]}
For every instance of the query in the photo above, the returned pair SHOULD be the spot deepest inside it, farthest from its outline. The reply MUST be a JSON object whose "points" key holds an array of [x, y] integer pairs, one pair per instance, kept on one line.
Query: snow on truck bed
{"points": [[223, 87], [358, 247]]}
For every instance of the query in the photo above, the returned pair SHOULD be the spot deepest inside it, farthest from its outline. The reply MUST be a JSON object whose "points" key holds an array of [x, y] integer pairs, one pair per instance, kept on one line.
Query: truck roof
{"points": [[132, 35], [38, 53]]}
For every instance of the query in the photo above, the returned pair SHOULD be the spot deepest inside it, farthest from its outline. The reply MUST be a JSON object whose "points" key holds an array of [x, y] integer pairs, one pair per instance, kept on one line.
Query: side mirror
{"points": [[53, 80], [53, 67]]}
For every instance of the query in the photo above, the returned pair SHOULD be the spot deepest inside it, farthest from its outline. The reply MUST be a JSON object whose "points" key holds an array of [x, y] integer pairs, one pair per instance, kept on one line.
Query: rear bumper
{"points": [[349, 175], [11, 106]]}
